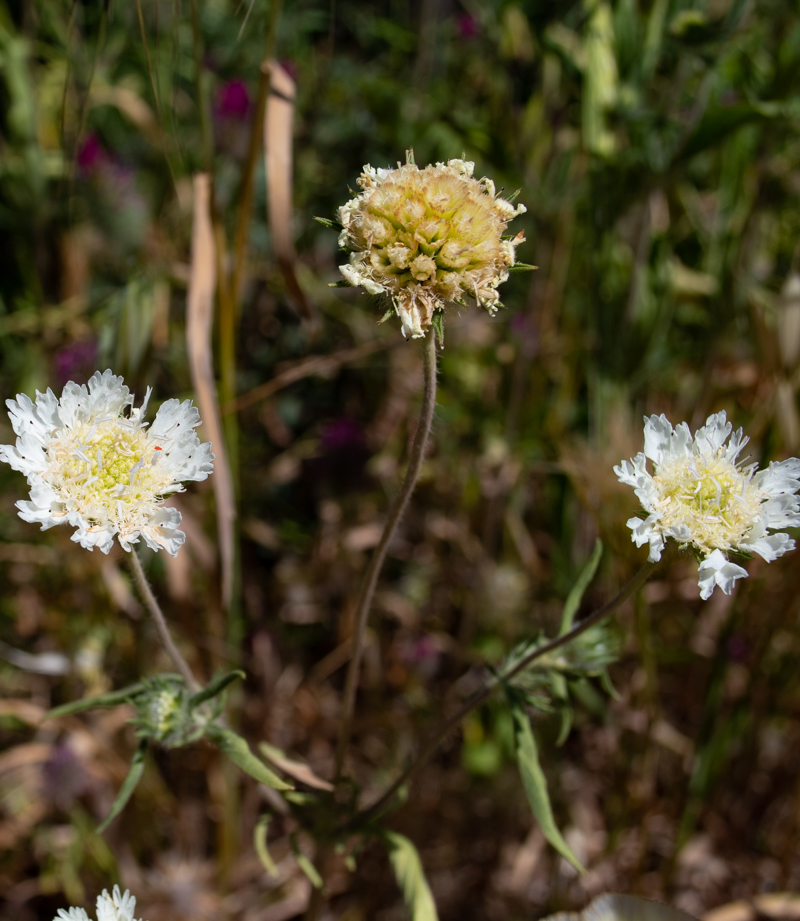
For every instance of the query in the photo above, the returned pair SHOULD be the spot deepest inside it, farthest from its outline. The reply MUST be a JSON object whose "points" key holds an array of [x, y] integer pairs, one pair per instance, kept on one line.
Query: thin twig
{"points": [[160, 621], [375, 564], [307, 367], [489, 686]]}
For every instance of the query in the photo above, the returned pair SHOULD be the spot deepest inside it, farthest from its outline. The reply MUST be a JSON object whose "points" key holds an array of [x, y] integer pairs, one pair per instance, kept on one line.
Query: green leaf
{"points": [[608, 685], [535, 784], [522, 267], [328, 223], [112, 699], [260, 844], [216, 686], [719, 121], [305, 864], [235, 747], [580, 586], [410, 877], [127, 788], [340, 284]]}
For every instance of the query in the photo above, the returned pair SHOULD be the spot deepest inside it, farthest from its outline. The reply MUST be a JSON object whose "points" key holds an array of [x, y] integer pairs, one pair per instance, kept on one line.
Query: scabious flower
{"points": [[92, 461], [701, 496], [114, 907], [427, 237]]}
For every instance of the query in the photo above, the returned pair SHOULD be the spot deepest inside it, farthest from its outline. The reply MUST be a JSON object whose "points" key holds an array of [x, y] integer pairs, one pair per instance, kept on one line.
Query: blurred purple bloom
{"points": [[233, 100], [91, 155], [64, 776], [467, 27], [342, 433], [76, 361], [291, 68], [422, 654], [738, 648]]}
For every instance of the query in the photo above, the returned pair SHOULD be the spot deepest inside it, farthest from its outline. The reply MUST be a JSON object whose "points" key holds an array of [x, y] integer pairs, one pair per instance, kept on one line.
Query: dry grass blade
{"points": [[200, 313], [278, 161]]}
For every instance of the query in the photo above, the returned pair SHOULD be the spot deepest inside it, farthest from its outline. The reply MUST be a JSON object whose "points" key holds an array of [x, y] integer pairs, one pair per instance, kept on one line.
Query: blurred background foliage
{"points": [[656, 144]]}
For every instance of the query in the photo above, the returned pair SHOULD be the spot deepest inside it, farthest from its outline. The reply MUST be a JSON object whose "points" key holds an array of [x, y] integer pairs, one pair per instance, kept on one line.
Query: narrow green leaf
{"points": [[608, 686], [112, 699], [326, 222], [340, 284], [260, 844], [410, 877], [305, 864], [580, 586], [535, 784], [719, 121], [522, 267], [127, 788], [216, 686], [566, 725], [235, 747]]}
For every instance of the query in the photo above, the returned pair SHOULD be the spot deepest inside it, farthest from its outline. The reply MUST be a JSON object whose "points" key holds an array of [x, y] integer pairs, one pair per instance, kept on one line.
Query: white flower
{"points": [[114, 907], [699, 494], [92, 464], [428, 237]]}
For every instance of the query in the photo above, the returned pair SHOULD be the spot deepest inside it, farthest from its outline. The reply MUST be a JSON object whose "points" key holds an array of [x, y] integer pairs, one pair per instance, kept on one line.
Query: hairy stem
{"points": [[376, 563], [160, 621], [489, 687]]}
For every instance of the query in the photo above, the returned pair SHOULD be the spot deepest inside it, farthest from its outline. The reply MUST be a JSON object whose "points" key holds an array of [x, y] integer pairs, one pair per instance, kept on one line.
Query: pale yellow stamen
{"points": [[710, 496], [112, 464]]}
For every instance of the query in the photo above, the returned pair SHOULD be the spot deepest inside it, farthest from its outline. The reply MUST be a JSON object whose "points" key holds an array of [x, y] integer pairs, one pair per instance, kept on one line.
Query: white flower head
{"points": [[428, 237], [700, 495], [94, 463], [114, 907]]}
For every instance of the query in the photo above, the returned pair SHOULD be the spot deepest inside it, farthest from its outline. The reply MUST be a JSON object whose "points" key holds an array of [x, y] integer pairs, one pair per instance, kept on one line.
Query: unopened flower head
{"points": [[114, 907], [428, 237], [93, 462], [700, 495]]}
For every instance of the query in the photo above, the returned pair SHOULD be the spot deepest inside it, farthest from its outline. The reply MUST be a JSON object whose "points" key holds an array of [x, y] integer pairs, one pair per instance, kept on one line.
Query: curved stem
{"points": [[375, 564], [488, 688], [160, 621]]}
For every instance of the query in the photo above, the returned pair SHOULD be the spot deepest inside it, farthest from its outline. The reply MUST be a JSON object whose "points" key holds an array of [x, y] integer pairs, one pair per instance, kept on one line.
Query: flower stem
{"points": [[160, 621], [489, 686], [373, 570]]}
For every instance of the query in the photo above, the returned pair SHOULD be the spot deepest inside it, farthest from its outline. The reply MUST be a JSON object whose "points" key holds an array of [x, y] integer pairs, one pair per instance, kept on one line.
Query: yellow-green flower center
{"points": [[109, 469], [710, 497]]}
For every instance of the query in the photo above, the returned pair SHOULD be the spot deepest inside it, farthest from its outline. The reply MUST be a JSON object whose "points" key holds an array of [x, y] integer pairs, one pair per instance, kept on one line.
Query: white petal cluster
{"points": [[428, 237], [94, 463], [700, 495], [114, 907]]}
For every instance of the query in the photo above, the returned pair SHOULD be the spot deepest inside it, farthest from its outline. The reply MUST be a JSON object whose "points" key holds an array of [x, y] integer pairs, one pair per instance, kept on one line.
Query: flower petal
{"points": [[715, 570], [711, 437]]}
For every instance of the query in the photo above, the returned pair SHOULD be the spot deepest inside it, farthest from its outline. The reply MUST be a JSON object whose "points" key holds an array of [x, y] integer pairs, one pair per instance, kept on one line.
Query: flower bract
{"points": [[428, 237], [94, 463], [114, 907], [700, 495]]}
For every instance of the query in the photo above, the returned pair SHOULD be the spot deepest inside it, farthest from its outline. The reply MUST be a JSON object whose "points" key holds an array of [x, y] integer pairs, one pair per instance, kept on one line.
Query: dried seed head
{"points": [[428, 237]]}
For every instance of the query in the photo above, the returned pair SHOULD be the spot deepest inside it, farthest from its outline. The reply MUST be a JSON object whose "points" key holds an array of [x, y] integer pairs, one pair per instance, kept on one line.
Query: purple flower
{"points": [[64, 777], [233, 100], [421, 653], [342, 433], [74, 360], [91, 155], [738, 648], [467, 27]]}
